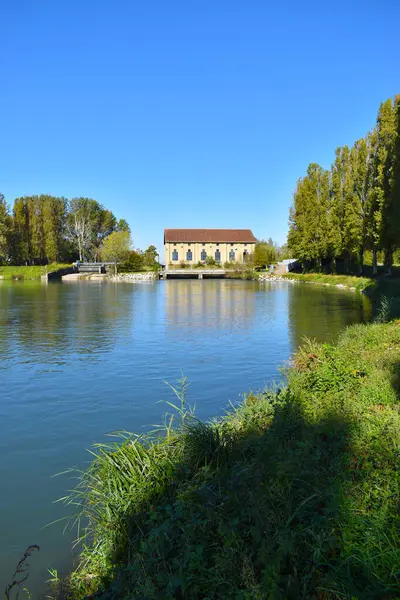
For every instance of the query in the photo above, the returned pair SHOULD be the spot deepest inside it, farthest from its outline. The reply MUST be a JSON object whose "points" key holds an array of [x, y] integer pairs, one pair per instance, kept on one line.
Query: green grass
{"points": [[350, 281], [294, 494], [35, 272]]}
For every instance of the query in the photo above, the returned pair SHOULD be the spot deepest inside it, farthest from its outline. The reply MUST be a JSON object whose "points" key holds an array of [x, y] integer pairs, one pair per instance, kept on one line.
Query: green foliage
{"points": [[116, 247], [294, 494], [134, 262], [210, 261], [45, 229], [150, 256], [264, 255], [338, 215]]}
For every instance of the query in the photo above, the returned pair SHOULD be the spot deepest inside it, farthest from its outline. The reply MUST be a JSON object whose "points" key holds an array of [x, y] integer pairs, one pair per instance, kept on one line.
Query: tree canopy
{"points": [[44, 229], [116, 247], [340, 213]]}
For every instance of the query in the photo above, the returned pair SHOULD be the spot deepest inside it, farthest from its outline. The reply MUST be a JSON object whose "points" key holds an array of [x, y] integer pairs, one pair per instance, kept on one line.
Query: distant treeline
{"points": [[355, 206], [45, 229]]}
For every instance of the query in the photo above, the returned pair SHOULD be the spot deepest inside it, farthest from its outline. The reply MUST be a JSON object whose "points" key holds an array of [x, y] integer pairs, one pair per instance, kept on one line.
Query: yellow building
{"points": [[195, 245]]}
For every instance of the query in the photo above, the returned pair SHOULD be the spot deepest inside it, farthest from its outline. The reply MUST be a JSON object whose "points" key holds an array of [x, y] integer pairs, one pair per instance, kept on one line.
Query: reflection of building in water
{"points": [[209, 303], [321, 313]]}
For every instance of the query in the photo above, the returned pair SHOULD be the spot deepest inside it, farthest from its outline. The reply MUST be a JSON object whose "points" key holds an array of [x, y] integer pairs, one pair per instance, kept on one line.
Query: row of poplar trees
{"points": [[45, 229], [354, 207]]}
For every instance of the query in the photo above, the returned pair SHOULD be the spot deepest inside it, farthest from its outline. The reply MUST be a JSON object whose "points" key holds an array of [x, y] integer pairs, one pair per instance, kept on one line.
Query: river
{"points": [[81, 359]]}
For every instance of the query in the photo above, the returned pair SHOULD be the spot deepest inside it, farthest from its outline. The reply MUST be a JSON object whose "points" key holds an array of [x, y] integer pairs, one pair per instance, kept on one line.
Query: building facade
{"points": [[195, 245]]}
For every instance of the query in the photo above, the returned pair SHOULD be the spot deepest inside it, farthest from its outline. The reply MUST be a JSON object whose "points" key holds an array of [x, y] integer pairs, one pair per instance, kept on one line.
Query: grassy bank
{"points": [[358, 283], [35, 272], [295, 494]]}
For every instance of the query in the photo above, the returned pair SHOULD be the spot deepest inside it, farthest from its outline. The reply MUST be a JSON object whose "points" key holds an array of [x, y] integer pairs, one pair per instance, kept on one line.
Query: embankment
{"points": [[294, 494]]}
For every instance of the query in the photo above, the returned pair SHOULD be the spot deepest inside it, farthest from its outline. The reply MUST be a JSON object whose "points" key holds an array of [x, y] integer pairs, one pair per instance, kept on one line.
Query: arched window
{"points": [[175, 255], [245, 255], [203, 255], [232, 255], [218, 256], [189, 255]]}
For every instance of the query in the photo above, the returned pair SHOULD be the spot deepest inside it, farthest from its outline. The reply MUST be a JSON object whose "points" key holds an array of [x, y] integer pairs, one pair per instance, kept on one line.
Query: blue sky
{"points": [[195, 113]]}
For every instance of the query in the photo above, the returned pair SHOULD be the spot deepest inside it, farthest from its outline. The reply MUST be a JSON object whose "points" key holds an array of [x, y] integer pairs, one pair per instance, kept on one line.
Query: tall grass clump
{"points": [[294, 494]]}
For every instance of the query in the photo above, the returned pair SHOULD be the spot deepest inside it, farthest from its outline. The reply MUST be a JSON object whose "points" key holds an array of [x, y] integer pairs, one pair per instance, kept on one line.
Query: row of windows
{"points": [[203, 255], [217, 244]]}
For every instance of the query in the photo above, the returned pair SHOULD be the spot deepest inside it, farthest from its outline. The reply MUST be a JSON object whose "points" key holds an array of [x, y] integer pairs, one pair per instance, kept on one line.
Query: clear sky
{"points": [[190, 113]]}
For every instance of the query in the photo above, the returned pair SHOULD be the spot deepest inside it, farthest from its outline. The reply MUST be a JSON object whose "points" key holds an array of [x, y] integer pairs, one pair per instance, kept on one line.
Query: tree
{"points": [[134, 261], [361, 157], [383, 182], [54, 216], [4, 229], [122, 225], [391, 213], [79, 226], [22, 247], [264, 254], [149, 256], [308, 237], [116, 247]]}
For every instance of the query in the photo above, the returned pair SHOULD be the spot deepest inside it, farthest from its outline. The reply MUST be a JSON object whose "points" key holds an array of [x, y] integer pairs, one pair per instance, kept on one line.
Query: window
{"points": [[203, 255], [218, 256], [203, 244], [232, 255], [189, 255], [175, 255], [217, 243]]}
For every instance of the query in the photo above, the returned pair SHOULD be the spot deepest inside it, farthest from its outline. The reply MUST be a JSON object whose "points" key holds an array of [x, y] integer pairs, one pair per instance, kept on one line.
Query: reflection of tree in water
{"points": [[322, 312], [57, 323], [214, 304]]}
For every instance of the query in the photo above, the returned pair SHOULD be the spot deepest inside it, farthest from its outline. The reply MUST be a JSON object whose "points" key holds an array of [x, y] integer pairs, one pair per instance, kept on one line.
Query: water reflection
{"points": [[80, 360], [323, 312], [208, 303], [54, 324]]}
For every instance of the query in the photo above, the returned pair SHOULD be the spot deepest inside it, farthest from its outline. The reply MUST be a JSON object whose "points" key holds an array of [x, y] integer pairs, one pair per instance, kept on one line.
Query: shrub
{"points": [[210, 261], [134, 262]]}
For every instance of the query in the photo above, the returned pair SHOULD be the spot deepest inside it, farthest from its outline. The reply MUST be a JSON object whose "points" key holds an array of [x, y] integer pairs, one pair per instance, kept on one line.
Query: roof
{"points": [[209, 235]]}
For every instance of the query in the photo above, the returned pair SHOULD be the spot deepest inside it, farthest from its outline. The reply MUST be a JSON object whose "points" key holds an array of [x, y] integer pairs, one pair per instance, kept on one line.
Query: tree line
{"points": [[44, 229], [354, 207]]}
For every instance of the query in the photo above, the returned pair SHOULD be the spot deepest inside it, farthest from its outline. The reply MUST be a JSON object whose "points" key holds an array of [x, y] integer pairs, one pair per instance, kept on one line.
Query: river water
{"points": [[81, 359]]}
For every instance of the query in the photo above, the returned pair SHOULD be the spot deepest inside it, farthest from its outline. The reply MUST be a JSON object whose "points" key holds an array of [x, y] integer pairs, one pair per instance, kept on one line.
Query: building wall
{"points": [[210, 248]]}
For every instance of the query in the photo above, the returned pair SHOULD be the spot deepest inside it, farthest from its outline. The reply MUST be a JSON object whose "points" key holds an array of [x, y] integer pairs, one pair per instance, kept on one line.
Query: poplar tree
{"points": [[4, 229], [391, 207], [309, 221], [383, 183], [22, 247], [362, 155]]}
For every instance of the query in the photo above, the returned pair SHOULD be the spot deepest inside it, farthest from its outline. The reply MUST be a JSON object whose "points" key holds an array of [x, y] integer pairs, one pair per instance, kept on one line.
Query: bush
{"points": [[210, 261], [134, 263]]}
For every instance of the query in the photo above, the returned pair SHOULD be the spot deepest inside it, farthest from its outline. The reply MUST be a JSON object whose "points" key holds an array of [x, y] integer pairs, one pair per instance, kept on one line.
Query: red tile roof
{"points": [[209, 235]]}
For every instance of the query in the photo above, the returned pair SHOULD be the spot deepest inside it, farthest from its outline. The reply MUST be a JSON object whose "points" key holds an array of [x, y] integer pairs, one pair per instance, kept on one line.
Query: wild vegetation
{"points": [[354, 207], [294, 494]]}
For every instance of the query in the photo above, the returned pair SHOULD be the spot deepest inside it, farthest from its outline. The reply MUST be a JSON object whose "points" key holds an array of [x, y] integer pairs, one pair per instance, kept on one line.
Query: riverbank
{"points": [[29, 272], [292, 495], [360, 284]]}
